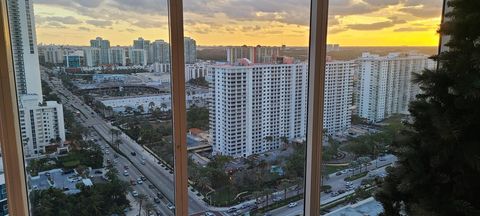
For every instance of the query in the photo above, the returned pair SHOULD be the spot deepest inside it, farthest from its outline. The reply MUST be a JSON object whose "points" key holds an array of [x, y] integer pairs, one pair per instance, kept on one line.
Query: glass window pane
{"points": [[247, 74], [94, 95], [374, 49]]}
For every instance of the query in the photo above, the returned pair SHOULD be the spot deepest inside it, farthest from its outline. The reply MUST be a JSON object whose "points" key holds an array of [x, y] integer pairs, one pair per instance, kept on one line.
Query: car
{"points": [[143, 157], [107, 152], [382, 159], [156, 200], [232, 210], [151, 186], [125, 167], [276, 199], [98, 172], [134, 193], [142, 162], [109, 161], [159, 213], [338, 173], [139, 181], [143, 178], [292, 204], [125, 173], [133, 182], [133, 153], [209, 214], [334, 194], [170, 206], [344, 171], [115, 155], [341, 191]]}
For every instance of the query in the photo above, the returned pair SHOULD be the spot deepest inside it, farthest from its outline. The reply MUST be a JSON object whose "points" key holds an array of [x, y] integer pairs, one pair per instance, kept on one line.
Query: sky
{"points": [[238, 22]]}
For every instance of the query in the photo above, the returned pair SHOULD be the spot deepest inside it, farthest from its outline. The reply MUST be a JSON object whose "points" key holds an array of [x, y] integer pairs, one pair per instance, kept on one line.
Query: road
{"points": [[159, 176], [338, 183], [120, 163]]}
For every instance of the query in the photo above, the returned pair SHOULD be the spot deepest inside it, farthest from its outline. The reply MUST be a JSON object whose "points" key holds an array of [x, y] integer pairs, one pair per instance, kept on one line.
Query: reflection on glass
{"points": [[247, 105], [94, 107]]}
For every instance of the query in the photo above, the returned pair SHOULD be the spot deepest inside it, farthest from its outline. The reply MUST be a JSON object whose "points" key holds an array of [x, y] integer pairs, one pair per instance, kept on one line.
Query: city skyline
{"points": [[388, 23]]}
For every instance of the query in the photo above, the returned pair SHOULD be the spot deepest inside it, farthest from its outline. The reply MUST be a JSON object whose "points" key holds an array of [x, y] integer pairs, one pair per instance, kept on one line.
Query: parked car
{"points": [[156, 200], [143, 178], [338, 173], [159, 195], [292, 204], [134, 193], [170, 206], [133, 153], [209, 214], [125, 173]]}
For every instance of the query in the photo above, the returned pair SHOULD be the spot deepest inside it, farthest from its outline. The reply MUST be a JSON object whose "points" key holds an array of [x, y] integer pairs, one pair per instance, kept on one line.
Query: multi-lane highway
{"points": [[146, 163]]}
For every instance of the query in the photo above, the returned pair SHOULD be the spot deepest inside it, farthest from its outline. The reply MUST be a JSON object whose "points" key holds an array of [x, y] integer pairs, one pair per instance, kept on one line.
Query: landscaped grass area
{"points": [[224, 197], [356, 176], [329, 169]]}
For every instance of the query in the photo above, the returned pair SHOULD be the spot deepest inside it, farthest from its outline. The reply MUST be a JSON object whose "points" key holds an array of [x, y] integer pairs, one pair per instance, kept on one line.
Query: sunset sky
{"points": [[238, 22]]}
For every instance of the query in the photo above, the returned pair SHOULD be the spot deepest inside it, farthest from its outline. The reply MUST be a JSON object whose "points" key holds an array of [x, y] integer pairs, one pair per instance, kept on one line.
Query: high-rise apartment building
{"points": [[194, 71], [258, 54], [338, 92], [137, 56], [253, 107], [118, 55], [92, 56], [141, 43], [104, 46], [190, 47], [41, 122], [73, 59], [159, 52], [53, 54], [385, 83]]}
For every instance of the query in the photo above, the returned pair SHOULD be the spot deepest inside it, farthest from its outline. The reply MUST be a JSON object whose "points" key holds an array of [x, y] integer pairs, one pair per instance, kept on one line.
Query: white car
{"points": [[125, 173], [209, 214], [134, 193], [170, 206], [292, 204]]}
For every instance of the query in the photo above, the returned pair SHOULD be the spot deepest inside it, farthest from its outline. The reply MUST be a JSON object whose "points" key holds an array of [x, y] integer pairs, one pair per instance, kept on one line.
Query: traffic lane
{"points": [[85, 110], [134, 174]]}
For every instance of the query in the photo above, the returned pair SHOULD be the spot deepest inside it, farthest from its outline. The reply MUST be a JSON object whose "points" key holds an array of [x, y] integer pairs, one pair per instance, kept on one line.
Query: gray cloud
{"points": [[83, 28], [100, 23], [59, 19], [378, 25], [410, 29]]}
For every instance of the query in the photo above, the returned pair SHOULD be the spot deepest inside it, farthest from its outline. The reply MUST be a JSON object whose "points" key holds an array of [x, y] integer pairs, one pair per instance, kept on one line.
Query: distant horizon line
{"points": [[295, 46]]}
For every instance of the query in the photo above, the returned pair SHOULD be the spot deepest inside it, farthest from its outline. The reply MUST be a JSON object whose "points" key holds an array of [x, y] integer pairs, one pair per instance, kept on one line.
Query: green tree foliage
{"points": [[199, 82], [438, 169], [100, 199], [197, 117]]}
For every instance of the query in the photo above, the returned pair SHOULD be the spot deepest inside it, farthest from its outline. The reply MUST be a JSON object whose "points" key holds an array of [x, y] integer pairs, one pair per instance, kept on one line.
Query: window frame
{"points": [[15, 176], [14, 167]]}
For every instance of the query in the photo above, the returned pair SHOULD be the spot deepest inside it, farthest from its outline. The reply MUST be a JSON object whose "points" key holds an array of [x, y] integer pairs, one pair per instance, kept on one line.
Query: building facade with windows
{"points": [[104, 46], [190, 46], [137, 56], [385, 83], [258, 54], [92, 56], [118, 56], [53, 54], [159, 52], [254, 107], [337, 114], [40, 121]]}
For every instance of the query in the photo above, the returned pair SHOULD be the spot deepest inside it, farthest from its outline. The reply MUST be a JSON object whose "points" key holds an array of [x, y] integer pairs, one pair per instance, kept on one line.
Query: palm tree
{"points": [[140, 199], [117, 143], [163, 106], [284, 186], [267, 192], [114, 132], [284, 140], [151, 106], [257, 195]]}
